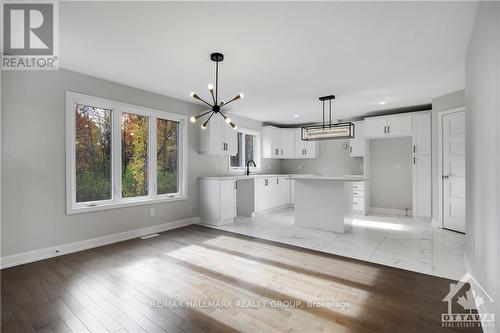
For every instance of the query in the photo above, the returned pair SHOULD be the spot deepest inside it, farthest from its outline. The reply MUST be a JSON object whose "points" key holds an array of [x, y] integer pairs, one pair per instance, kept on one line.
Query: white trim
{"points": [[36, 255], [440, 161], [116, 200], [390, 211], [257, 151]]}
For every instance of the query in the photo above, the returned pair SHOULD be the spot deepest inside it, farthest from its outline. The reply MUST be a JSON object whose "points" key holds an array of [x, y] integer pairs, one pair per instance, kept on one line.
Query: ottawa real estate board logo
{"points": [[30, 35], [468, 305]]}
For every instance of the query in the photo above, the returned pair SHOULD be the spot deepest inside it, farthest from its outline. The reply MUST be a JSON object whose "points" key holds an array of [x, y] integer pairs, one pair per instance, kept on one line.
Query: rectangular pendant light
{"points": [[339, 131]]}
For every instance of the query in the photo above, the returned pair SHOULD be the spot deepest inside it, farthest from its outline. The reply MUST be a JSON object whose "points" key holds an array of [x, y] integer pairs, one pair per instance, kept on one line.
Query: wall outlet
{"points": [[151, 212], [299, 167]]}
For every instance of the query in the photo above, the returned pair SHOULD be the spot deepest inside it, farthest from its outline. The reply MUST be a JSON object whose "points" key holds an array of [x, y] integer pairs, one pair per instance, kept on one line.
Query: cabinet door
{"points": [[280, 191], [422, 133], [375, 127], [400, 125], [227, 199], [287, 142], [263, 193], [271, 138], [299, 143], [422, 185], [212, 137], [230, 138], [311, 149], [357, 145]]}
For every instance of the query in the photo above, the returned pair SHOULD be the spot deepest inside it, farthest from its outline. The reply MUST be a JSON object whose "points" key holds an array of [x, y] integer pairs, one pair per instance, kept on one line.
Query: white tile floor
{"points": [[398, 241]]}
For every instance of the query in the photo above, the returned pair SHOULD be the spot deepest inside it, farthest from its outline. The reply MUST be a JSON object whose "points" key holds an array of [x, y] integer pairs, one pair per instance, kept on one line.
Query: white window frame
{"points": [[256, 154], [72, 207]]}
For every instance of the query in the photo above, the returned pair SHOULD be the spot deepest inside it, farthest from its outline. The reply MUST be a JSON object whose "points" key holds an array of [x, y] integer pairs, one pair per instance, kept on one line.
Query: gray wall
{"points": [[333, 160], [390, 186], [33, 162], [483, 151], [446, 102]]}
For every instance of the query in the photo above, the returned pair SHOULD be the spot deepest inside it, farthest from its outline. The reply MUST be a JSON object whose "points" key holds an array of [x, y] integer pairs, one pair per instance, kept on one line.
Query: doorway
{"points": [[452, 169]]}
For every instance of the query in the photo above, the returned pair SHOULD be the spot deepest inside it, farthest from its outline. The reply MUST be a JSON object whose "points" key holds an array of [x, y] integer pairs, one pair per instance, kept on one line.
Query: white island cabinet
{"points": [[217, 200], [324, 203]]}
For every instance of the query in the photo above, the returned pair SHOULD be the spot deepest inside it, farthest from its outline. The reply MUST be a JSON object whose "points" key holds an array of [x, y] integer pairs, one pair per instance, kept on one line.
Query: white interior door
{"points": [[453, 179]]}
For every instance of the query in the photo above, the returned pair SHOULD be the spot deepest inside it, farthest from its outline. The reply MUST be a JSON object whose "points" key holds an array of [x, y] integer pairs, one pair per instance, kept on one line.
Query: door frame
{"points": [[440, 160]]}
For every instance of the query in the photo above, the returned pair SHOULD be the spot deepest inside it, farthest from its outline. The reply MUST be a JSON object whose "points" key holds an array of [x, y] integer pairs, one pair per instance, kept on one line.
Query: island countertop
{"points": [[342, 179]]}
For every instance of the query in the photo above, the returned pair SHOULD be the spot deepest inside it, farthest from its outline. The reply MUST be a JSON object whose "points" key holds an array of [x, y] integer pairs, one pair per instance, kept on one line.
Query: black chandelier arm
{"points": [[213, 97], [234, 99], [206, 122], [202, 114], [195, 96]]}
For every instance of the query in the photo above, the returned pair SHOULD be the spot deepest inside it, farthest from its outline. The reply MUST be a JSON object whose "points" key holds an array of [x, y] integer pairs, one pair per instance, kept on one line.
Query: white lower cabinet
{"points": [[262, 194], [359, 202], [217, 201]]}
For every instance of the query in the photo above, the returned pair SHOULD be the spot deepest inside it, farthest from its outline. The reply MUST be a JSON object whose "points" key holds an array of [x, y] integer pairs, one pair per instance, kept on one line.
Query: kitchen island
{"points": [[324, 203]]}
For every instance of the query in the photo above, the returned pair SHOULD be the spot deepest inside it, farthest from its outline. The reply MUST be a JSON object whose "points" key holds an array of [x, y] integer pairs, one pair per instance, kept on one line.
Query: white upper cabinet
{"points": [[399, 125], [422, 133], [271, 142], [286, 143], [303, 148], [357, 145], [389, 126], [218, 138]]}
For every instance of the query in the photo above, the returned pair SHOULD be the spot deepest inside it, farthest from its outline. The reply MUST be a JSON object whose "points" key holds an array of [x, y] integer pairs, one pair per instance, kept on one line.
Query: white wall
{"points": [[483, 151], [390, 186], [450, 101], [333, 160], [33, 162]]}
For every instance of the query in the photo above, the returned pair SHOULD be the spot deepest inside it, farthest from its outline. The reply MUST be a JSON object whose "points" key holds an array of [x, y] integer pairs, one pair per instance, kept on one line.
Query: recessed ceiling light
{"points": [[295, 115], [382, 102]]}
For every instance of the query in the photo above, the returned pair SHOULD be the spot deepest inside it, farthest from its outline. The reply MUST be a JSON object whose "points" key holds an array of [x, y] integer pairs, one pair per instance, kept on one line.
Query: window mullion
{"points": [[152, 160], [116, 152], [242, 153]]}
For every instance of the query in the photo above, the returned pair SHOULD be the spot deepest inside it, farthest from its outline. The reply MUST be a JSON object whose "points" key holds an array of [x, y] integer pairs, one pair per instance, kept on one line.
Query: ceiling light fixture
{"points": [[216, 106], [328, 131]]}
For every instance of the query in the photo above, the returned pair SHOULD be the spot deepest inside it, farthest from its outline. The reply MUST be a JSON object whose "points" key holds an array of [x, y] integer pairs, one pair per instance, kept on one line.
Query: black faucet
{"points": [[248, 166]]}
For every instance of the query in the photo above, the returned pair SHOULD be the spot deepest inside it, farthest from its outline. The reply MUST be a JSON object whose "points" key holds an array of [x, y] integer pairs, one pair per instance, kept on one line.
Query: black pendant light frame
{"points": [[337, 131], [216, 107]]}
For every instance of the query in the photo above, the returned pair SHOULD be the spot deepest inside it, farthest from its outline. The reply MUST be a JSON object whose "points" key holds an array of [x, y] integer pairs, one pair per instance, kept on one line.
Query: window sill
{"points": [[137, 202]]}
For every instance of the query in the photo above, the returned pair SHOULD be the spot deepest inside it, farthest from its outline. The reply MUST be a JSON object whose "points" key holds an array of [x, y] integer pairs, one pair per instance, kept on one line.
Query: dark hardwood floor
{"points": [[197, 279]]}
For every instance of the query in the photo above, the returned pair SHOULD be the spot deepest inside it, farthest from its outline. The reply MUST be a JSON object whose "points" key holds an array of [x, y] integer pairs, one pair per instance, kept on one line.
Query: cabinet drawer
{"points": [[358, 193], [360, 186], [358, 203]]}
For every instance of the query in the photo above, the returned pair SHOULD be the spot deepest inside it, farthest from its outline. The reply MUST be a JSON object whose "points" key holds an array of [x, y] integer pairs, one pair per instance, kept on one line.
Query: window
{"points": [[247, 145], [122, 155]]}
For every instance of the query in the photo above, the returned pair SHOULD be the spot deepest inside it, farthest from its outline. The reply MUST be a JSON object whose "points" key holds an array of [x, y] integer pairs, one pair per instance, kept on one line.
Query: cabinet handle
{"points": [[236, 184], [305, 151], [266, 182], [276, 152], [413, 149], [385, 129], [277, 181], [350, 149], [413, 159], [388, 129]]}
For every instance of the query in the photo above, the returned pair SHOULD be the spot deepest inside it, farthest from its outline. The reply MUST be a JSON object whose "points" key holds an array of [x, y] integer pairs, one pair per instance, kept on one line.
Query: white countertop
{"points": [[251, 176], [341, 179]]}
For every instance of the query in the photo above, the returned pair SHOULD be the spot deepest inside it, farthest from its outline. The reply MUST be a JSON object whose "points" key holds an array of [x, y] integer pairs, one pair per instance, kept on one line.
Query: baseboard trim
{"points": [[36, 255], [481, 309], [390, 211]]}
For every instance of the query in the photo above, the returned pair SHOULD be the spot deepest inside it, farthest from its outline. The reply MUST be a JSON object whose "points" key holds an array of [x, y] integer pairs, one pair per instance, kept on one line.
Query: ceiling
{"points": [[283, 56]]}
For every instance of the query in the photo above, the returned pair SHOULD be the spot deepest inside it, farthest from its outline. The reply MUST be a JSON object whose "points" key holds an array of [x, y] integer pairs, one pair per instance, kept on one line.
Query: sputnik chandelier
{"points": [[215, 108]]}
